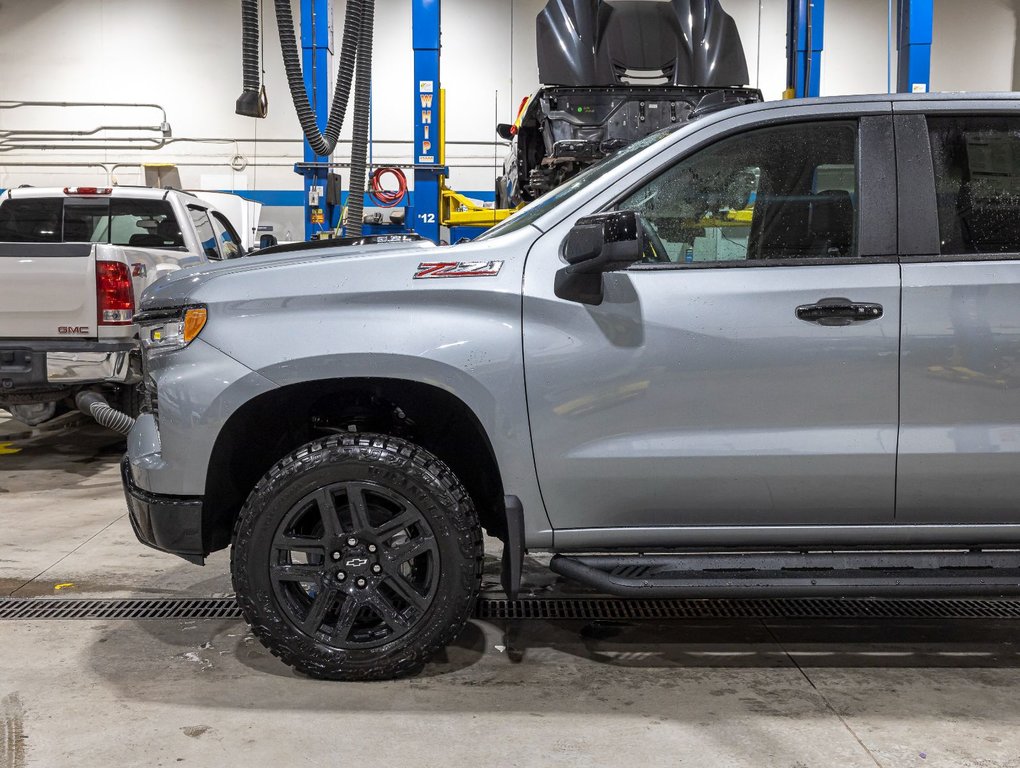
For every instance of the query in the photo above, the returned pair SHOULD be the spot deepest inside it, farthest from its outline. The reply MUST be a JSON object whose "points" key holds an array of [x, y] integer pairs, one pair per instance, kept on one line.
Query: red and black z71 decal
{"points": [[430, 269]]}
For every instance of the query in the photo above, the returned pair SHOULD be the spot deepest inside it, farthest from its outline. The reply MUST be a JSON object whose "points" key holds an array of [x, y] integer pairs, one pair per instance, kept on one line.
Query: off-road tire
{"points": [[396, 464]]}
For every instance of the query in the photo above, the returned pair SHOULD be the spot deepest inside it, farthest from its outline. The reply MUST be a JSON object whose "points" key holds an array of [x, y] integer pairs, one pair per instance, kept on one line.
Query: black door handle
{"points": [[837, 312]]}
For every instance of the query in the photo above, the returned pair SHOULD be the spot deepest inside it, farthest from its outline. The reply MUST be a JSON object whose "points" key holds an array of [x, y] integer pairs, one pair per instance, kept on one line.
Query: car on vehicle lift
{"points": [[614, 73], [773, 352]]}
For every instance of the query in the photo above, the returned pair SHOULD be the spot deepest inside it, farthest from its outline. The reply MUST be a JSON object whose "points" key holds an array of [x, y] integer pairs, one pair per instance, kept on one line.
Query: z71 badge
{"points": [[431, 269]]}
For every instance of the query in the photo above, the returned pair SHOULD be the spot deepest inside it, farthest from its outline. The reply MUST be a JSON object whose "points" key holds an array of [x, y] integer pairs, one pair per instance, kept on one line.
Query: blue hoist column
{"points": [[426, 19], [317, 63], [805, 41], [914, 43]]}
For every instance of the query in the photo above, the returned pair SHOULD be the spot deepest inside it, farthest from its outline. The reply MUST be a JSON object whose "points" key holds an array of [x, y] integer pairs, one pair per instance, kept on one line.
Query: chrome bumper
{"points": [[42, 364], [82, 367]]}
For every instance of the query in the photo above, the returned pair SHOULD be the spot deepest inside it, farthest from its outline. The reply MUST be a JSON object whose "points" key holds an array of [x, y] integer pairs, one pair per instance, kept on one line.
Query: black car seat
{"points": [[832, 224], [815, 225]]}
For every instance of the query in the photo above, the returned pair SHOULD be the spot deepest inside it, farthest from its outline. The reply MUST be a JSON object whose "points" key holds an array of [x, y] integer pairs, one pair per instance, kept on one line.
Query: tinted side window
{"points": [[229, 244], [788, 192], [206, 235], [977, 181]]}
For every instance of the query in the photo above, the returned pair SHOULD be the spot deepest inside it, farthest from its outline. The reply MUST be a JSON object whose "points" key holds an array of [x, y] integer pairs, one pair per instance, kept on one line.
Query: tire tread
{"points": [[292, 648]]}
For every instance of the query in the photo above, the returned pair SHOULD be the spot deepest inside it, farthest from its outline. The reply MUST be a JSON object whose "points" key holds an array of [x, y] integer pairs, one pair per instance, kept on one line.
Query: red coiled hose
{"points": [[388, 198]]}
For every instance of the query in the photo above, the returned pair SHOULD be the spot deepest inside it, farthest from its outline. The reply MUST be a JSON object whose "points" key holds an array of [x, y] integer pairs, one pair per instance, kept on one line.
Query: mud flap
{"points": [[513, 547]]}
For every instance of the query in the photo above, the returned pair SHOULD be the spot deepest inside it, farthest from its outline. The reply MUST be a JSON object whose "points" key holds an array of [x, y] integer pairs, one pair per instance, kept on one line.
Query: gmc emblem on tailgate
{"points": [[73, 330]]}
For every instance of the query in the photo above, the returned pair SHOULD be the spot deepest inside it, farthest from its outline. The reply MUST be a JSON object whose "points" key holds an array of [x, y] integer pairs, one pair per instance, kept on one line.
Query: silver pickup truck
{"points": [[73, 265], [775, 352]]}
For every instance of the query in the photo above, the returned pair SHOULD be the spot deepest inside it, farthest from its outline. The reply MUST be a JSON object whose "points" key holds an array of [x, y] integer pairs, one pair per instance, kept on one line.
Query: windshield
{"points": [[535, 210]]}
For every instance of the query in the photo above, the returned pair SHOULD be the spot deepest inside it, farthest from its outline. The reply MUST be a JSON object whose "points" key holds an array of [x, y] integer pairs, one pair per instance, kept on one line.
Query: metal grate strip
{"points": [[163, 608], [811, 608], [585, 609]]}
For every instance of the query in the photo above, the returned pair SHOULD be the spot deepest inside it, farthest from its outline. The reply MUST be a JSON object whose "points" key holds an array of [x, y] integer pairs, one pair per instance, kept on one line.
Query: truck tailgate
{"points": [[47, 291]]}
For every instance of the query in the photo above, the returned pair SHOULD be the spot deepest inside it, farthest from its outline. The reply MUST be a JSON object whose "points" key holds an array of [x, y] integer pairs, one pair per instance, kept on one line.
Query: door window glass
{"points": [[977, 182], [206, 235], [788, 192], [229, 243]]}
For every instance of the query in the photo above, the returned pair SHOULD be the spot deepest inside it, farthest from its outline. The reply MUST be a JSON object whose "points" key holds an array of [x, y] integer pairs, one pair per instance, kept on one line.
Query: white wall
{"points": [[855, 59], [974, 44], [185, 55], [762, 27]]}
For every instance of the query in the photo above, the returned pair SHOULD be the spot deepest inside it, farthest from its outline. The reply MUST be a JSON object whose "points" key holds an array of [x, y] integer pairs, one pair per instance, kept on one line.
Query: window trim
{"points": [[874, 128], [766, 263], [958, 258], [917, 208]]}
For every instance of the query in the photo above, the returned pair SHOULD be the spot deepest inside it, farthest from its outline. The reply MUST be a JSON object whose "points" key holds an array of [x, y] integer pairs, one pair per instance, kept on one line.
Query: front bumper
{"points": [[41, 364], [170, 524]]}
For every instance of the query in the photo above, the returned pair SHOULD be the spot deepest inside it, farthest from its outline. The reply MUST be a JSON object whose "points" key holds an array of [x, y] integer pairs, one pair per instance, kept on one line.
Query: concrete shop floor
{"points": [[701, 693]]}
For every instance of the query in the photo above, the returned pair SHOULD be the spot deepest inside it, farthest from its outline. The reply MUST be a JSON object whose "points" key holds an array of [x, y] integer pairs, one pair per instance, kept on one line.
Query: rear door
{"points": [[959, 454], [47, 288]]}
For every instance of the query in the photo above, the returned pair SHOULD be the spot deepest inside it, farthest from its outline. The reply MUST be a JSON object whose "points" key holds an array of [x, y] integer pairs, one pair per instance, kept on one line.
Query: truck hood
{"points": [[679, 42], [175, 289]]}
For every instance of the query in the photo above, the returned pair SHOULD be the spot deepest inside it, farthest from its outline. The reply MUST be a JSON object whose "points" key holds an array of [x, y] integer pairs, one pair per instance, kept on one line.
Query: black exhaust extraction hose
{"points": [[252, 102], [94, 404], [350, 51], [362, 117]]}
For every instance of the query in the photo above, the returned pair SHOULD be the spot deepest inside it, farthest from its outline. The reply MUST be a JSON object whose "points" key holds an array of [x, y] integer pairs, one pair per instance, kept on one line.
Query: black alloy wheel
{"points": [[357, 557], [354, 565]]}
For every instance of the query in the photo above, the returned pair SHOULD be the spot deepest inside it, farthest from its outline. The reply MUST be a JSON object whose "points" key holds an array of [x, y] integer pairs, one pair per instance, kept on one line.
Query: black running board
{"points": [[758, 575]]}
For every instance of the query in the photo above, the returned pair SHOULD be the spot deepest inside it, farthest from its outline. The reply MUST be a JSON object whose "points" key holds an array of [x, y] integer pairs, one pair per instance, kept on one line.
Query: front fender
{"points": [[494, 393], [199, 389]]}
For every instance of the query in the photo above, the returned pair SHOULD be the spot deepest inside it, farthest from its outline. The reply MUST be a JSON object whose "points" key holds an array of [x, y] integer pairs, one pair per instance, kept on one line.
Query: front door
{"points": [[744, 374]]}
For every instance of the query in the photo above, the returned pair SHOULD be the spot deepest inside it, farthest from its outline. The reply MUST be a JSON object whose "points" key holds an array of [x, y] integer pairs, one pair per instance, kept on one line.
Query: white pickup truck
{"points": [[73, 265]]}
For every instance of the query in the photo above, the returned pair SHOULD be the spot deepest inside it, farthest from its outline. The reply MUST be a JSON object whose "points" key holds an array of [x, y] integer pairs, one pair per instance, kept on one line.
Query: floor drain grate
{"points": [[587, 609], [155, 608]]}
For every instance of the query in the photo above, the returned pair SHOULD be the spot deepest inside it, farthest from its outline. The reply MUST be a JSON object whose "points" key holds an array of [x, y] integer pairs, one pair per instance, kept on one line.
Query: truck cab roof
{"points": [[138, 193]]}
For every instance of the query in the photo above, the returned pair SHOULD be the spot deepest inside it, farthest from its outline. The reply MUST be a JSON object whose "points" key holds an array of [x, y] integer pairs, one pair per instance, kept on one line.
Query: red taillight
{"points": [[114, 293], [88, 190]]}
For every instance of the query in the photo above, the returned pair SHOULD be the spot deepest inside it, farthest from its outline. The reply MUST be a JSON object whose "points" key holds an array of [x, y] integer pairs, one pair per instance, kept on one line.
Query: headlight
{"points": [[167, 330]]}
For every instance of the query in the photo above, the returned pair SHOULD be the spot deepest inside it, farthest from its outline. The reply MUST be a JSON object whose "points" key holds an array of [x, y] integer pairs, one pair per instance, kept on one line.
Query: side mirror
{"points": [[267, 241], [505, 131], [605, 242]]}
